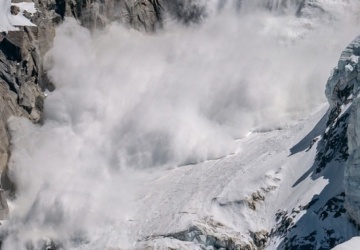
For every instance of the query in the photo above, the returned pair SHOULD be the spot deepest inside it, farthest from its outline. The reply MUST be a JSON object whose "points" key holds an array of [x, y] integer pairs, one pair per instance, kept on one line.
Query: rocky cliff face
{"points": [[22, 80], [337, 160], [342, 91]]}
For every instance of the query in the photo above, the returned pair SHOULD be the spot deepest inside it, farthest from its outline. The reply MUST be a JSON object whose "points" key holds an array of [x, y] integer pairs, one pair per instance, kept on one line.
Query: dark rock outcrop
{"points": [[342, 91]]}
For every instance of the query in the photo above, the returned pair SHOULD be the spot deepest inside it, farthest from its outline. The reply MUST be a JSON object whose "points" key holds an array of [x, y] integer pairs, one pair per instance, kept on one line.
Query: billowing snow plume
{"points": [[127, 102]]}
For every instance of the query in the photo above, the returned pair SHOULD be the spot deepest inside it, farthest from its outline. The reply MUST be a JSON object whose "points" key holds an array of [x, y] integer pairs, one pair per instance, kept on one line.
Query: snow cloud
{"points": [[127, 102]]}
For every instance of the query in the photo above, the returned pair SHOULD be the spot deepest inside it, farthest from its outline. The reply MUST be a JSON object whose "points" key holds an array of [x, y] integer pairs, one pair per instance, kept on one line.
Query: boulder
{"points": [[14, 10]]}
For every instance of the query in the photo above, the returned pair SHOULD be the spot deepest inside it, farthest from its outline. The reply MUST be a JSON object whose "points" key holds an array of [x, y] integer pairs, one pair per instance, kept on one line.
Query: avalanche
{"points": [[205, 136]]}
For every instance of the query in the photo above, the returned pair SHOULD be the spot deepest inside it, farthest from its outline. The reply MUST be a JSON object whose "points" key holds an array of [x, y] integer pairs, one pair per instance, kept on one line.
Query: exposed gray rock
{"points": [[8, 107], [143, 15], [342, 92], [22, 78], [352, 169], [14, 10], [260, 238], [302, 234], [255, 198], [343, 83], [210, 235], [31, 98], [4, 209]]}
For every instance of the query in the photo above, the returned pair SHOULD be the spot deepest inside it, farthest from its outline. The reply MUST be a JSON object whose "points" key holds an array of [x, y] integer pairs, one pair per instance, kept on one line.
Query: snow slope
{"points": [[354, 243], [214, 196]]}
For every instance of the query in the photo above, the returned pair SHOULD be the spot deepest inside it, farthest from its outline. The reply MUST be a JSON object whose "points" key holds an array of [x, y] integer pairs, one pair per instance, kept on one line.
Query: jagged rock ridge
{"points": [[342, 92]]}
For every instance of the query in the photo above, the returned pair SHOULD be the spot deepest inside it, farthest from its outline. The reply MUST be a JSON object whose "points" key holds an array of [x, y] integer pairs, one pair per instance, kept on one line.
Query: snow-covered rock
{"points": [[352, 170], [12, 15], [342, 92], [345, 78]]}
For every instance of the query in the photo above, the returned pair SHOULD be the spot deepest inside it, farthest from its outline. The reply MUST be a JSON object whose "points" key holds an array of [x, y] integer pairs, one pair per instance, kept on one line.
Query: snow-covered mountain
{"points": [[211, 131]]}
